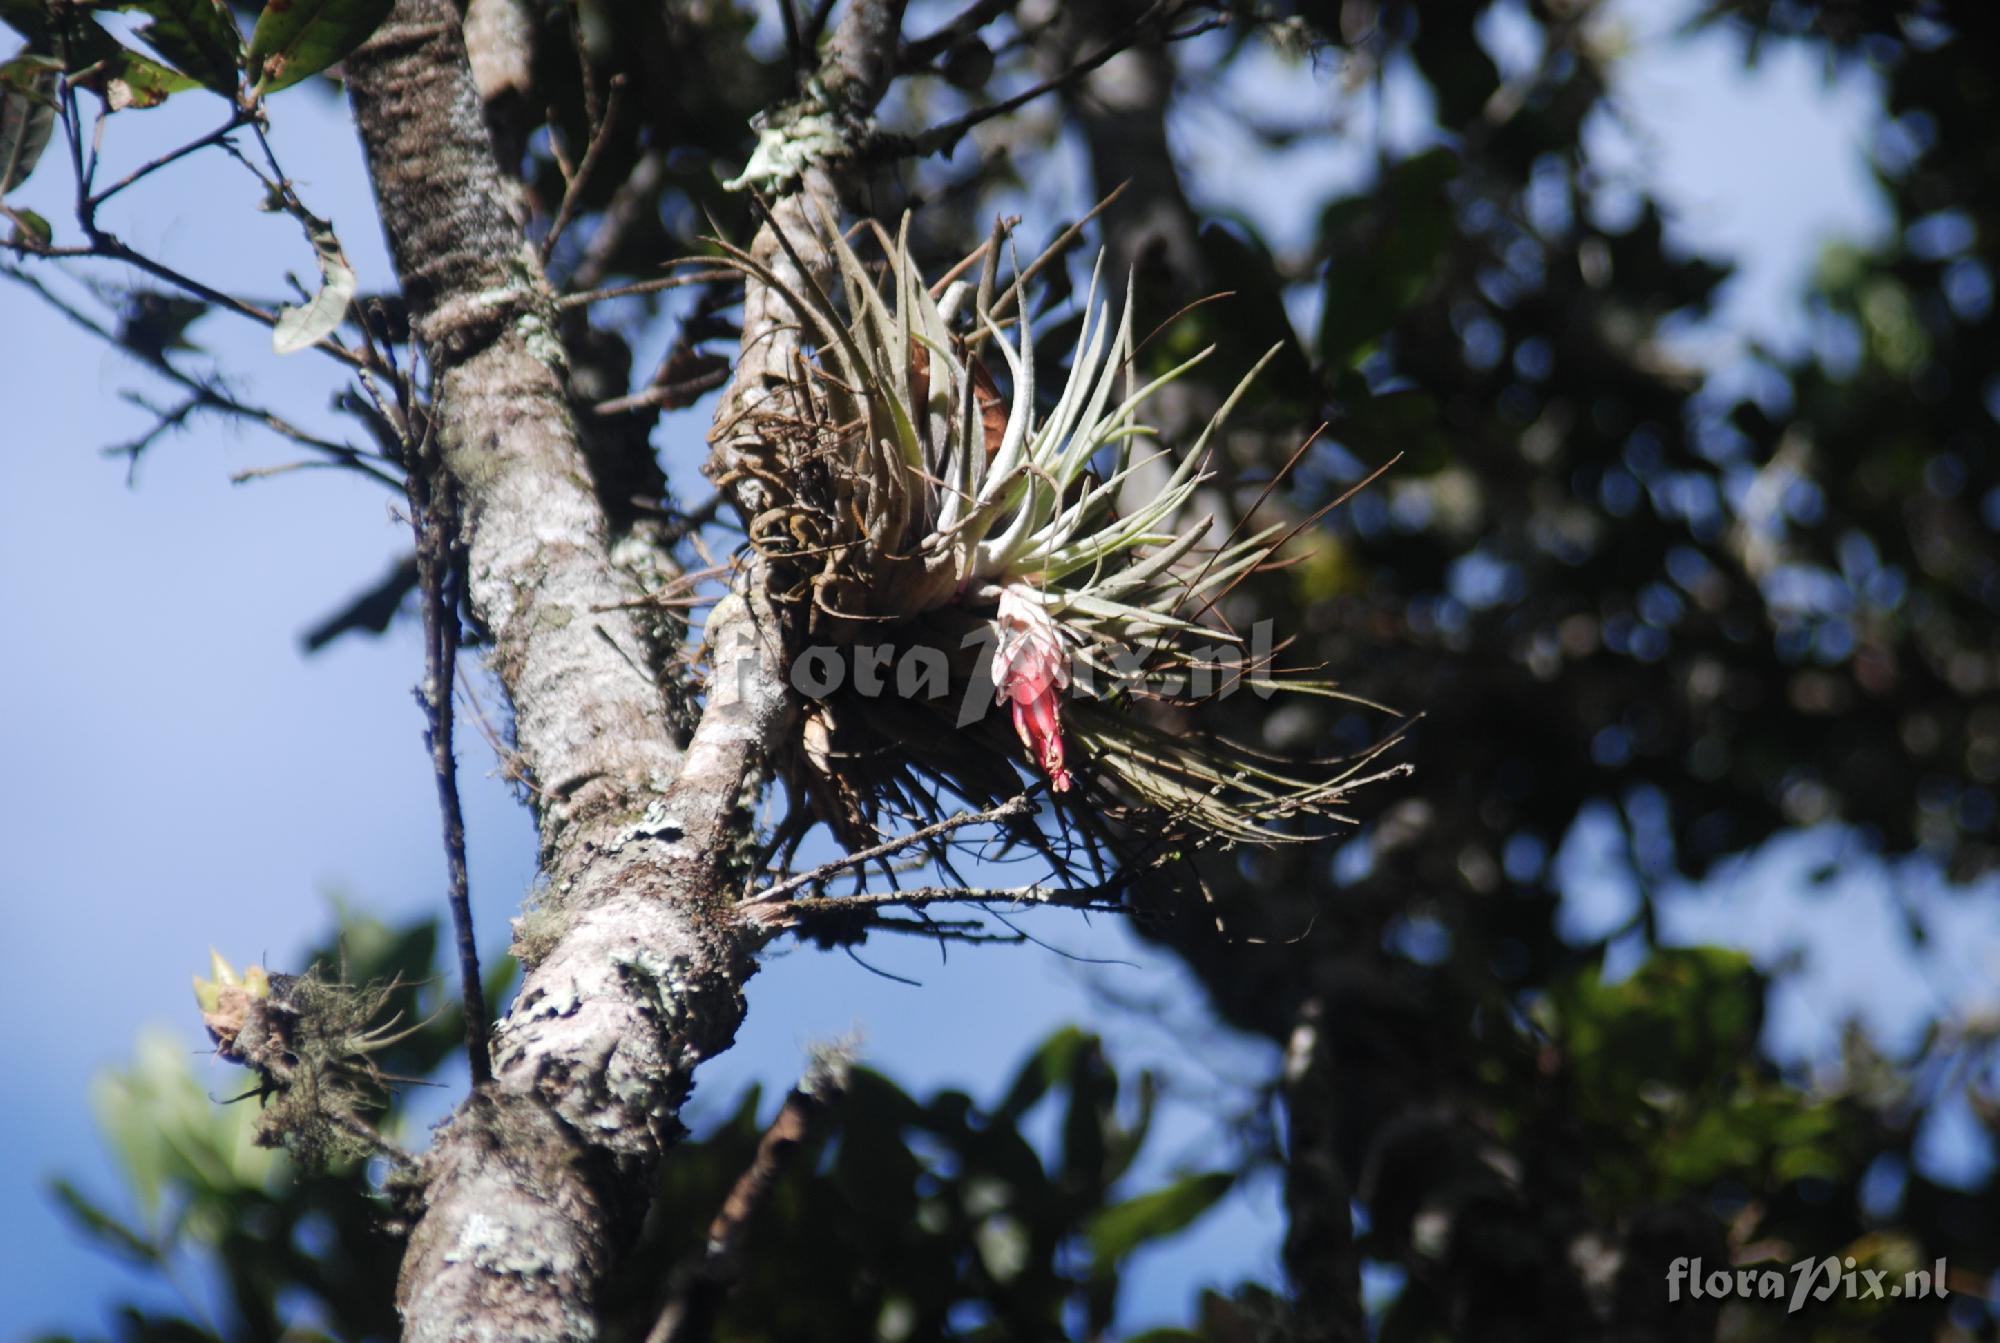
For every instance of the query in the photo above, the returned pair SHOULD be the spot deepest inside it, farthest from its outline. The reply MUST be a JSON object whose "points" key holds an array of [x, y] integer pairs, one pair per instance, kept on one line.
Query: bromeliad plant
{"points": [[908, 496]]}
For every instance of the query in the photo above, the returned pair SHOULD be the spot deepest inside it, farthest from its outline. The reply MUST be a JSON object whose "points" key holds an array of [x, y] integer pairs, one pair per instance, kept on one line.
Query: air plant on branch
{"points": [[311, 1043], [911, 497]]}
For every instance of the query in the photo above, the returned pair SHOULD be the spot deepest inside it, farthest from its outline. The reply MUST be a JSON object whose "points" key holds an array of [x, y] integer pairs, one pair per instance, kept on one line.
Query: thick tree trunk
{"points": [[636, 958]]}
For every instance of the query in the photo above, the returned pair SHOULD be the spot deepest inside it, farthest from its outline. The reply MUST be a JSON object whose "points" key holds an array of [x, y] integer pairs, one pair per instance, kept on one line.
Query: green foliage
{"points": [[198, 43], [950, 1223], [198, 38], [1388, 248], [27, 117], [1586, 571], [939, 1211], [296, 39]]}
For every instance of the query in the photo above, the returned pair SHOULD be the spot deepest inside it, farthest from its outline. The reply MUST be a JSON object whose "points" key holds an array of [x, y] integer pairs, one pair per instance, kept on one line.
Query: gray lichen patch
{"points": [[661, 980]]}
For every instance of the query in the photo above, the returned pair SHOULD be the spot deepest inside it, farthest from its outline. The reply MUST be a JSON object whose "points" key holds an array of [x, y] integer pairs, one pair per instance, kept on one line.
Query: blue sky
{"points": [[181, 776]]}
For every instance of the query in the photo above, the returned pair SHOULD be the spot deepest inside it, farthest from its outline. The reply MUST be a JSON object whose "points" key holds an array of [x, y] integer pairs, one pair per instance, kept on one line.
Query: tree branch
{"points": [[635, 966], [700, 1288]]}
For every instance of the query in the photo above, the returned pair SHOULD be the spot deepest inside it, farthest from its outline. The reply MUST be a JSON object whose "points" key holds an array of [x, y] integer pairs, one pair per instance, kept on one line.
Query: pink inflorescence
{"points": [[1031, 669]]}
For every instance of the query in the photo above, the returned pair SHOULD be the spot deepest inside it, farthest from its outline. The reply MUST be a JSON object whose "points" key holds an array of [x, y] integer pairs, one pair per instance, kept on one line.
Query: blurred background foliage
{"points": [[1709, 614]]}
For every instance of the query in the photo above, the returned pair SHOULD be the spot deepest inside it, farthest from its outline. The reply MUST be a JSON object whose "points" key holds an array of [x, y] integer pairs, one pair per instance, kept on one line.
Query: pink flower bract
{"points": [[1031, 669]]}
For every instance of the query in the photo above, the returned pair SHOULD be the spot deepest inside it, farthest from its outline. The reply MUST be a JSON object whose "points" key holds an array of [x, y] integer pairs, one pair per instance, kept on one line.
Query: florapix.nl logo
{"points": [[1815, 1280]]}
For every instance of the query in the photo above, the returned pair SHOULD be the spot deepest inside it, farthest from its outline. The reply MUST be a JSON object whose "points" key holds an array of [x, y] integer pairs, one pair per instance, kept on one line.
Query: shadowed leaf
{"points": [[298, 38]]}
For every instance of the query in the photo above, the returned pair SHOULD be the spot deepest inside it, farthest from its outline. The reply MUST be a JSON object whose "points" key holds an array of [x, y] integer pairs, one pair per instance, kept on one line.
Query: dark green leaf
{"points": [[197, 37], [1093, 1098], [29, 18], [1051, 1062], [297, 38], [152, 323], [100, 1225], [27, 118], [1124, 1227], [1386, 249], [31, 228]]}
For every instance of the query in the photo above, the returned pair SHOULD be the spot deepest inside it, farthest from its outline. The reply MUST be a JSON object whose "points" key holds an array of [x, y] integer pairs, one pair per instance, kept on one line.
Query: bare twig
{"points": [[204, 395], [574, 188], [941, 139], [592, 107], [666, 395], [216, 136], [791, 912], [915, 55], [630, 204], [434, 517], [700, 1287], [1021, 805], [645, 287]]}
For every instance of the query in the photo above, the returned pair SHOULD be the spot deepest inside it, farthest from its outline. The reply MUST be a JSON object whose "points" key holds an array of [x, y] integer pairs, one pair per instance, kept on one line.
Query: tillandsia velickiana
{"points": [[311, 1041], [914, 492]]}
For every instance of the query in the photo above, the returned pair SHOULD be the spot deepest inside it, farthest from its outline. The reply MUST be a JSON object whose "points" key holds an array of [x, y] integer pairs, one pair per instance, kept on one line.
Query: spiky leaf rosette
{"points": [[914, 498], [310, 1041]]}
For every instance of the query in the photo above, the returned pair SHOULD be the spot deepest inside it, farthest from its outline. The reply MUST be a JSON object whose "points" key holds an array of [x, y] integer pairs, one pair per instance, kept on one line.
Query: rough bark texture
{"points": [[636, 960], [589, 723]]}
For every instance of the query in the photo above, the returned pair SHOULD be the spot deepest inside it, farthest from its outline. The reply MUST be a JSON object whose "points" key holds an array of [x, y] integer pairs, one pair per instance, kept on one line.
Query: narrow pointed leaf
{"points": [[1123, 1228]]}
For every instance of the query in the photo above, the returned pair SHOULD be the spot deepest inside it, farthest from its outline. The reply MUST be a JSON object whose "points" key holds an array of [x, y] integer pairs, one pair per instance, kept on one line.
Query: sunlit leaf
{"points": [[127, 79], [298, 38], [305, 326], [30, 228]]}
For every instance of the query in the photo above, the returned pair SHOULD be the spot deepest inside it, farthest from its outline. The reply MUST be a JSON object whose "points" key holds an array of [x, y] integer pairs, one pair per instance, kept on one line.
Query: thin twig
{"points": [[205, 397], [585, 73], [943, 137], [1021, 805], [920, 53], [139, 174], [630, 204], [918, 897], [666, 395], [701, 1286], [434, 517], [645, 287], [573, 189]]}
